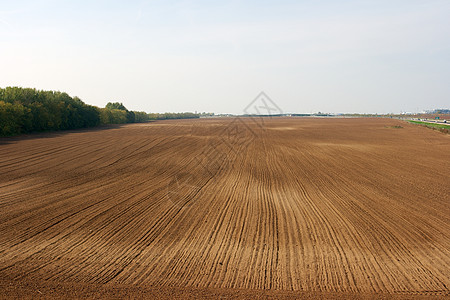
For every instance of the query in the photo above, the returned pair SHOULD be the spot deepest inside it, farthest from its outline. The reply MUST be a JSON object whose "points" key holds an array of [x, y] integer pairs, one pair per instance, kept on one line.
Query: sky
{"points": [[366, 56]]}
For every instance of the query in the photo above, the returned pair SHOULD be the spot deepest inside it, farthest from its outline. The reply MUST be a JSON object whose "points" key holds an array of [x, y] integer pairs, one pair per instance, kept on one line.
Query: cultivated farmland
{"points": [[281, 207]]}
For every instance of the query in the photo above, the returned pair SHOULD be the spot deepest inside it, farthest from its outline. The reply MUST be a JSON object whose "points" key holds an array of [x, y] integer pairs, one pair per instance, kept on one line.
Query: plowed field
{"points": [[288, 207]]}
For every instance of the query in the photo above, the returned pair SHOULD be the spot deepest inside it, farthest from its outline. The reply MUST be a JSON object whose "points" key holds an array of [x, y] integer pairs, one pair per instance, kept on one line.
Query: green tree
{"points": [[13, 118], [34, 110], [115, 105]]}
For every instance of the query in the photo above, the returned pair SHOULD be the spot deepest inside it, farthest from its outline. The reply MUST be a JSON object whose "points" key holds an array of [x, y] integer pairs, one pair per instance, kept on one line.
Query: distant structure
{"points": [[438, 111]]}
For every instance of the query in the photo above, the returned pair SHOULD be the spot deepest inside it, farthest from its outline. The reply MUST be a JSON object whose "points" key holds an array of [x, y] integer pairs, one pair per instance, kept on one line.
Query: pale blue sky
{"points": [[308, 56]]}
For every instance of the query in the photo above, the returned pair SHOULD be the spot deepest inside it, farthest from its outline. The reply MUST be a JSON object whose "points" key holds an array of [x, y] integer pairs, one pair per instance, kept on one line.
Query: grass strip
{"points": [[441, 127]]}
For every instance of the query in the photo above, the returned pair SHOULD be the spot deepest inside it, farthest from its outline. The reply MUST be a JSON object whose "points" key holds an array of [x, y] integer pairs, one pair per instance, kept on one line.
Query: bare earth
{"points": [[227, 208]]}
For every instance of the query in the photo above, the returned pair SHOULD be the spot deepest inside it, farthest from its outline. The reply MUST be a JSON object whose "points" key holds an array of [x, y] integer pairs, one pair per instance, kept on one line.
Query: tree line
{"points": [[25, 110]]}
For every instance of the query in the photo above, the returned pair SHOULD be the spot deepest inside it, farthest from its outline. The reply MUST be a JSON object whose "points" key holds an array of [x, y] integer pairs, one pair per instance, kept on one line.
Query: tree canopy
{"points": [[115, 105], [24, 110]]}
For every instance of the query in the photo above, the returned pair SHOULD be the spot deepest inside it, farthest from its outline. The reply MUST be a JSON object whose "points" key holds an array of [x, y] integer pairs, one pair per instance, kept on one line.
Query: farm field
{"points": [[234, 208]]}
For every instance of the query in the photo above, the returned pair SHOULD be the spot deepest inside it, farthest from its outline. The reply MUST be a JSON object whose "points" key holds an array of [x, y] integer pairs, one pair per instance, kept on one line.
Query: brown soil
{"points": [[227, 208]]}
